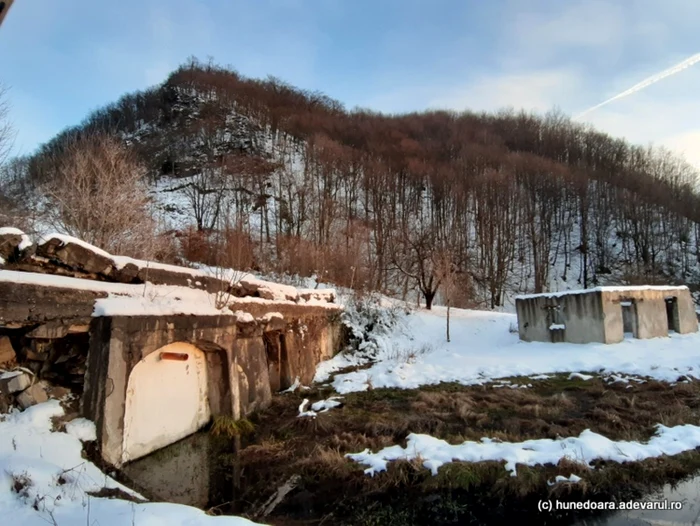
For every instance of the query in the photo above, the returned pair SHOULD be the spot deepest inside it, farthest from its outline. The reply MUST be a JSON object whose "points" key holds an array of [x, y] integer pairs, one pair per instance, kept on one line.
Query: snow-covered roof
{"points": [[630, 288]]}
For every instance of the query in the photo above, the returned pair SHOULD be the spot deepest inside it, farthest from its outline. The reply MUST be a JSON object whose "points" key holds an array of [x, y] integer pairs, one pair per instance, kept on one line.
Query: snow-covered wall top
{"points": [[173, 290], [631, 288]]}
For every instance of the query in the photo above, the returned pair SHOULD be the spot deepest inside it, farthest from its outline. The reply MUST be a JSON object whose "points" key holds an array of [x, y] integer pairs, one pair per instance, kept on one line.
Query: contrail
{"points": [[647, 82]]}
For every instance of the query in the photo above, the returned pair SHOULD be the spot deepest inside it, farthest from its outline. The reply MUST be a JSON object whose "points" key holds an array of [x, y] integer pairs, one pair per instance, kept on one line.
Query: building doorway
{"points": [[672, 314], [629, 318]]}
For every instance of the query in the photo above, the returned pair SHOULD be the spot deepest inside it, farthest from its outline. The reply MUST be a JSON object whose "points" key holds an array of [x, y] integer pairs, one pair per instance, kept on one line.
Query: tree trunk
{"points": [[429, 296], [448, 321]]}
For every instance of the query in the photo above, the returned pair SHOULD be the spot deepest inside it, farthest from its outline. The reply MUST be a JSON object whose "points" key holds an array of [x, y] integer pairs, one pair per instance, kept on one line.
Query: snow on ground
{"points": [[482, 349], [44, 479], [585, 448], [560, 478], [319, 407]]}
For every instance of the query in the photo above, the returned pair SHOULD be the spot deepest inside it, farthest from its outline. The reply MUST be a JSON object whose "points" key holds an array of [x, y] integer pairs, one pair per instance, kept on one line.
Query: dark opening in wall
{"points": [[629, 317], [672, 314]]}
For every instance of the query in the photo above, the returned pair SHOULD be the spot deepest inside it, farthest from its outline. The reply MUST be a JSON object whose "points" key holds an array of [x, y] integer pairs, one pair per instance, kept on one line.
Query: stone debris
{"points": [[21, 389], [14, 382], [34, 394]]}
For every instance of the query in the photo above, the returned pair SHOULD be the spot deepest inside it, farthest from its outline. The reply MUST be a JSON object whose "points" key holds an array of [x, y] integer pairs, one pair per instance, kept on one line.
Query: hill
{"points": [[273, 178]]}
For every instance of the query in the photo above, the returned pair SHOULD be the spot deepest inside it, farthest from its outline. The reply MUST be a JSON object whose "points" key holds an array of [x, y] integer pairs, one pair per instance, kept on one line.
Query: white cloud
{"points": [[533, 91], [580, 54]]}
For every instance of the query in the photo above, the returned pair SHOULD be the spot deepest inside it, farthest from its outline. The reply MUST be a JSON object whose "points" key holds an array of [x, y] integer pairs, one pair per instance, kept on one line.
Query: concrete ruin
{"points": [[155, 362], [606, 314]]}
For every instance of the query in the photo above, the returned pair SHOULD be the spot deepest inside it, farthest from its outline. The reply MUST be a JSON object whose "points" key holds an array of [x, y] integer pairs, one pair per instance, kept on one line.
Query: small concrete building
{"points": [[605, 314]]}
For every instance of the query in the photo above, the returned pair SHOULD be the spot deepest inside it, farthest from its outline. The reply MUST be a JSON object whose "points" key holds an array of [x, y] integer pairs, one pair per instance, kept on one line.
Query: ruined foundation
{"points": [[148, 379]]}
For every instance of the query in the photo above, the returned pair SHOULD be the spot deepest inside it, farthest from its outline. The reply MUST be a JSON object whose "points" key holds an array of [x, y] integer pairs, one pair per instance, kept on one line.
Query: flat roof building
{"points": [[606, 314]]}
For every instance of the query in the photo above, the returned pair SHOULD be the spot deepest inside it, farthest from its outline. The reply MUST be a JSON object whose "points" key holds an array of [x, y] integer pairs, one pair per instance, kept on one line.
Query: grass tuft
{"points": [[228, 427]]}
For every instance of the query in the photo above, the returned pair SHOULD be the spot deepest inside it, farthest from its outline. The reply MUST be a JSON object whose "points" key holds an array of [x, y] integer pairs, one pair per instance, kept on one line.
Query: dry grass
{"points": [[225, 426], [284, 445]]}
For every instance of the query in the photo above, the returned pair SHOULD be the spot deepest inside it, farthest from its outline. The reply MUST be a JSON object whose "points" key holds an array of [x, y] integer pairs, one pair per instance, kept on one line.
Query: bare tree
{"points": [[98, 194], [7, 133]]}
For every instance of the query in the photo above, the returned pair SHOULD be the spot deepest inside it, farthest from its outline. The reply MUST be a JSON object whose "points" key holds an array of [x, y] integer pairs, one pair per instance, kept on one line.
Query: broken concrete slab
{"points": [[265, 289], [14, 382], [162, 276], [28, 304], [76, 256], [34, 394]]}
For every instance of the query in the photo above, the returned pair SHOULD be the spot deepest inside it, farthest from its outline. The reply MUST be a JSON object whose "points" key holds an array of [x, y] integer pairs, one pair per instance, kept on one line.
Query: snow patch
{"points": [[293, 387], [244, 317], [82, 429], [580, 376], [585, 448], [10, 231], [574, 479], [324, 405]]}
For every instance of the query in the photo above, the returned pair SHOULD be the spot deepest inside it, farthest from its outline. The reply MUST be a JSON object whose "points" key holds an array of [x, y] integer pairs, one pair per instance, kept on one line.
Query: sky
{"points": [[64, 59]]}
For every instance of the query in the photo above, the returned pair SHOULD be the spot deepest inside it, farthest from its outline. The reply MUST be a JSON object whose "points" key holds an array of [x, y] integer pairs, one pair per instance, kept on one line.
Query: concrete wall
{"points": [[580, 314], [118, 344], [236, 359], [180, 473], [651, 317], [597, 315]]}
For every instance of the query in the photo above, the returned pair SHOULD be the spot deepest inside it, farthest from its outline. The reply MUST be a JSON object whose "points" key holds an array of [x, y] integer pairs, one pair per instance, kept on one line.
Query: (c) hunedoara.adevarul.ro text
{"points": [[562, 505]]}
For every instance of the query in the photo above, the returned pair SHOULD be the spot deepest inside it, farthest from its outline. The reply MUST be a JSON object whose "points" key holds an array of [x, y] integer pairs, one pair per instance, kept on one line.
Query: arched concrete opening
{"points": [[167, 399]]}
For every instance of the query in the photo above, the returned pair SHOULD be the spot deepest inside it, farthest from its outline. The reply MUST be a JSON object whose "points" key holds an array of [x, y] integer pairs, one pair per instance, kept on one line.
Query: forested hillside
{"points": [[258, 174]]}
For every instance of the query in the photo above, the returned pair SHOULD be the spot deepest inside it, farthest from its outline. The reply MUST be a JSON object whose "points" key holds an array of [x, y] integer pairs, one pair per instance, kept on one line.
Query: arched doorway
{"points": [[166, 399]]}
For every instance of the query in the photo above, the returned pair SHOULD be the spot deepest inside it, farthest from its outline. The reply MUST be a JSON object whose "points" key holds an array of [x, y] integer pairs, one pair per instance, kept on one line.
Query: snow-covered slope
{"points": [[483, 348]]}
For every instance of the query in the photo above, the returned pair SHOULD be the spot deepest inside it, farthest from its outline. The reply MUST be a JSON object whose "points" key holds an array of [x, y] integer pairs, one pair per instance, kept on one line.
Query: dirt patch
{"points": [[335, 490]]}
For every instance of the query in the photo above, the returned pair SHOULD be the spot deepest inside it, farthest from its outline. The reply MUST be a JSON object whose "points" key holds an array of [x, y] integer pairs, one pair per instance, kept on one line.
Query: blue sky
{"points": [[67, 58]]}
